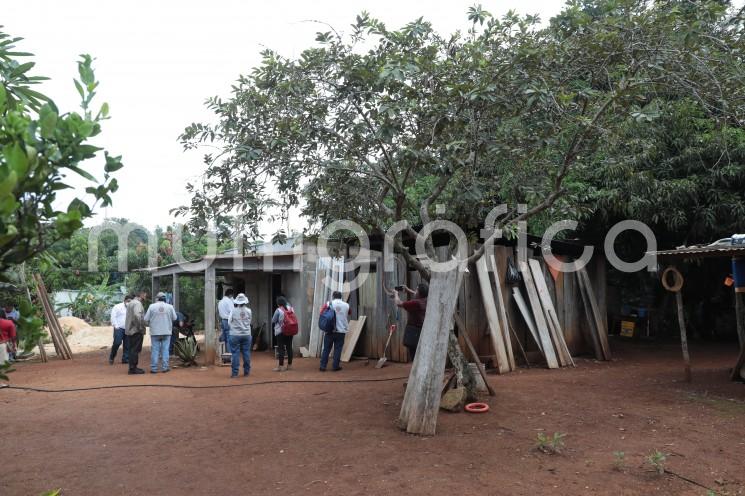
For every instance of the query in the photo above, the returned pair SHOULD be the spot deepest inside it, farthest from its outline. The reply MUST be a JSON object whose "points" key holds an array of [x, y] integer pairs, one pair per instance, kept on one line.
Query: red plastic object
{"points": [[477, 408]]}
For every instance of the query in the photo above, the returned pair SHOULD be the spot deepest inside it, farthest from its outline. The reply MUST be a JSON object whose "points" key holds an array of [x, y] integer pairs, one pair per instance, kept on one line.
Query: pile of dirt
{"points": [[73, 323]]}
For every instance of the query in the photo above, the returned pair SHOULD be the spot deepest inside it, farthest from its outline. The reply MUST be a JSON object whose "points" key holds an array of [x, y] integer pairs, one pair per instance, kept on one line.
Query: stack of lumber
{"points": [[329, 278], [55, 329], [540, 315]]}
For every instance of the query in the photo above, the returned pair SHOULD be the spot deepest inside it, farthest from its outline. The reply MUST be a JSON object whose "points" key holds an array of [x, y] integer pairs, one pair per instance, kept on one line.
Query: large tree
{"points": [[380, 125]]}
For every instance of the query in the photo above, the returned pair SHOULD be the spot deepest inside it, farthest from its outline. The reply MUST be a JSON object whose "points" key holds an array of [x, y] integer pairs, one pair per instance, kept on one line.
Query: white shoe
{"points": [[278, 369]]}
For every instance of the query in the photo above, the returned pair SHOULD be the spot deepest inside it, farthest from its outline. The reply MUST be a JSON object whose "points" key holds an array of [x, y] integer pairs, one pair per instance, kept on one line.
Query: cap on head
{"points": [[241, 299], [161, 296]]}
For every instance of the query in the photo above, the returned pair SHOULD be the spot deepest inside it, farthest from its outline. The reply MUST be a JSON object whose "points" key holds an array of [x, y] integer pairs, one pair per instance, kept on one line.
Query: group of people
{"points": [[130, 319], [8, 335]]}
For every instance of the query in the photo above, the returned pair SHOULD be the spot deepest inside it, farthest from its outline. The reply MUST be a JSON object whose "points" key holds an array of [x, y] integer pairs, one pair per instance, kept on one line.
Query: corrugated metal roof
{"points": [[702, 252]]}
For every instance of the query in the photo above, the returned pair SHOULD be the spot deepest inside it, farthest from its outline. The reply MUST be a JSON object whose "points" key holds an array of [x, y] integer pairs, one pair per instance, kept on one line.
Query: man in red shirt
{"points": [[416, 309], [7, 337]]}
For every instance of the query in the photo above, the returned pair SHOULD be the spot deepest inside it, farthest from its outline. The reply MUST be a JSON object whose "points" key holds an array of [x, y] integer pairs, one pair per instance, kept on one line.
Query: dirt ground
{"points": [[340, 438]]}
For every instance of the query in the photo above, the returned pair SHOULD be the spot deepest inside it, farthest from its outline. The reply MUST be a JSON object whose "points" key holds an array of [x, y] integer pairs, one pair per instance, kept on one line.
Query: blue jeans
{"points": [[335, 339], [240, 345], [159, 348], [226, 334], [119, 339]]}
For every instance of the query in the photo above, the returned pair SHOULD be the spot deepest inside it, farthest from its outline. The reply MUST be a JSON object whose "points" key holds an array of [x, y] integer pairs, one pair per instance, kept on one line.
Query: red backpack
{"points": [[289, 324]]}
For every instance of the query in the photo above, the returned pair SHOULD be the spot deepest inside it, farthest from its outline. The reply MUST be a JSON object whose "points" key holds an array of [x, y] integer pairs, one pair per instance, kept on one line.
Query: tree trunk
{"points": [[462, 371], [422, 398]]}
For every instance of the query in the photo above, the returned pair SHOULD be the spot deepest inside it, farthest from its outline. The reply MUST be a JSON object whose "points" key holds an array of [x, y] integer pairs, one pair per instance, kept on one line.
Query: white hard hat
{"points": [[241, 299]]}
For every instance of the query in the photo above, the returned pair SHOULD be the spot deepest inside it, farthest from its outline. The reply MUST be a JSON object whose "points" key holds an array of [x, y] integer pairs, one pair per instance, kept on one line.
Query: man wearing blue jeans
{"points": [[224, 309], [335, 339], [160, 315], [240, 336]]}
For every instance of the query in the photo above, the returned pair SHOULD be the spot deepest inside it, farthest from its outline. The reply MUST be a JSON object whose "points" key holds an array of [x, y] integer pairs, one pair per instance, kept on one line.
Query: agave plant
{"points": [[187, 351]]}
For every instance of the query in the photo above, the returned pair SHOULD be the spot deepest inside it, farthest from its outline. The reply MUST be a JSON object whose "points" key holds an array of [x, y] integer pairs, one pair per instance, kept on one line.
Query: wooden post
{"points": [[210, 301], [683, 336], [421, 402], [176, 290], [155, 287], [495, 331], [676, 287], [738, 373]]}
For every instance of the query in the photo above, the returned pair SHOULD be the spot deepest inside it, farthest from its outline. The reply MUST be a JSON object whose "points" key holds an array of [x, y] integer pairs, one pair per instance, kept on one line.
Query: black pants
{"points": [[411, 339], [282, 343], [135, 347], [175, 334]]}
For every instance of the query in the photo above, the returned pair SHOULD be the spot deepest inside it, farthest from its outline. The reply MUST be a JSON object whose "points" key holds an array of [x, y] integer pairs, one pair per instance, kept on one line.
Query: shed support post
{"points": [[738, 373], [210, 336], [155, 287], [175, 292]]}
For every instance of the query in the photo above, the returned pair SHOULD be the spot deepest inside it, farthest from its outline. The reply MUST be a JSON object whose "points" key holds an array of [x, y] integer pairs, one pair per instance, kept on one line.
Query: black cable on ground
{"points": [[208, 386]]}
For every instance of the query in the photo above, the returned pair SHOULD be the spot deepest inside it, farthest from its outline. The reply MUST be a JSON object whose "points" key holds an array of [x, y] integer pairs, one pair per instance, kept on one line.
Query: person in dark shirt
{"points": [[416, 309]]}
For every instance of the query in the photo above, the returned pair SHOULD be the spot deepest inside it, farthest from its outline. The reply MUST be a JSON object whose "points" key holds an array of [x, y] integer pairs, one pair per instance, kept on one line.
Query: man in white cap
{"points": [[240, 336], [160, 315]]}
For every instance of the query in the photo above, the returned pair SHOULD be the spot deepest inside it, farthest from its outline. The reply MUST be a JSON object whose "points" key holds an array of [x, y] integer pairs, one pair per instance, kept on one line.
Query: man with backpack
{"points": [[284, 323], [334, 321]]}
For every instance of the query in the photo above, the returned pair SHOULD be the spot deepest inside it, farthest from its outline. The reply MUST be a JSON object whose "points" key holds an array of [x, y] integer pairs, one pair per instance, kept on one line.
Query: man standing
{"points": [[336, 338], [134, 329], [224, 309], [416, 308], [119, 322], [160, 315]]}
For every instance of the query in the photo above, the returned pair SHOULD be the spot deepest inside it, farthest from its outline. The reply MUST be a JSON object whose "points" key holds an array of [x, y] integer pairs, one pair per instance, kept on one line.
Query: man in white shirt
{"points": [[118, 322], [224, 309], [335, 339]]}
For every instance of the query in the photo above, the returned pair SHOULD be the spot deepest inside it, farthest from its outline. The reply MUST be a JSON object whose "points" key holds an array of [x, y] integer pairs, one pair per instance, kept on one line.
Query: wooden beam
{"points": [[495, 331], [210, 303], [550, 312], [475, 355], [683, 336], [421, 402], [592, 334], [525, 312], [176, 291], [502, 312], [600, 320], [541, 324], [738, 373]]}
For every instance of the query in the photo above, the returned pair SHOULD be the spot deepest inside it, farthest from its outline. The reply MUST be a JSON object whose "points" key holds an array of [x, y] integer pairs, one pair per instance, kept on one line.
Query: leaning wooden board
{"points": [[600, 321], [525, 312], [502, 312], [540, 320], [350, 341], [550, 311], [495, 332]]}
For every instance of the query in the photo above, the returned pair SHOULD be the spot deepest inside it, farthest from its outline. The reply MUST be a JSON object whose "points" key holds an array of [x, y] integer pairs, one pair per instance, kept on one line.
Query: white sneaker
{"points": [[278, 369]]}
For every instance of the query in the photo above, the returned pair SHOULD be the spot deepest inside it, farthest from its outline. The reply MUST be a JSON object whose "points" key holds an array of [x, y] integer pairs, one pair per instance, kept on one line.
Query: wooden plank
{"points": [[477, 361], [540, 321], [502, 312], [539, 278], [591, 334], [600, 320], [55, 329], [353, 335], [527, 316], [683, 337], [495, 333]]}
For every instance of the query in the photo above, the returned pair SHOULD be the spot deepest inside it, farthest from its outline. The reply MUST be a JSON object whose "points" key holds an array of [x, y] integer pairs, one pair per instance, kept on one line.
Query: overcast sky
{"points": [[158, 61]]}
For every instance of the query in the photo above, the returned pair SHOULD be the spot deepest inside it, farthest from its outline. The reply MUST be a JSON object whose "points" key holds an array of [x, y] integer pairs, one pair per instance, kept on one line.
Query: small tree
{"points": [[39, 149]]}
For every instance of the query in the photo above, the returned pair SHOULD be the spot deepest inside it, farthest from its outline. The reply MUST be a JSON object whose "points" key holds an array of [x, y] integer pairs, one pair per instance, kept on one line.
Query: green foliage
{"points": [[93, 303], [5, 369], [39, 148], [619, 460], [656, 460], [551, 445], [187, 351]]}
